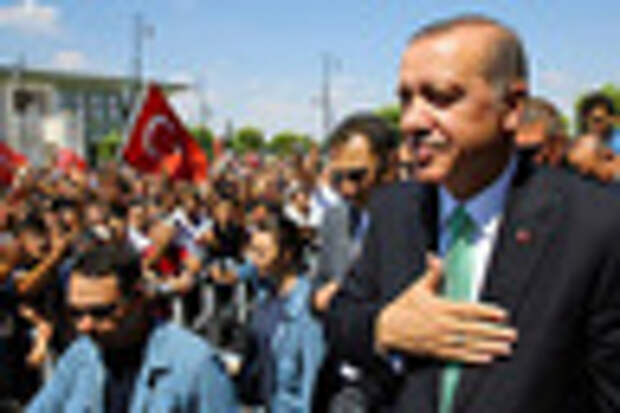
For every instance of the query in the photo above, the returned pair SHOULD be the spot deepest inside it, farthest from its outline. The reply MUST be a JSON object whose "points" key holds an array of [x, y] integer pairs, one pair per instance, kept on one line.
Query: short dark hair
{"points": [[510, 50], [118, 210], [104, 260], [31, 223], [382, 136], [64, 203], [591, 101], [540, 109]]}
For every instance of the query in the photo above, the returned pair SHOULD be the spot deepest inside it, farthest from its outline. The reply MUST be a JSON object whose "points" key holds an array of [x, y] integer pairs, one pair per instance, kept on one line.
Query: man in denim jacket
{"points": [[123, 362]]}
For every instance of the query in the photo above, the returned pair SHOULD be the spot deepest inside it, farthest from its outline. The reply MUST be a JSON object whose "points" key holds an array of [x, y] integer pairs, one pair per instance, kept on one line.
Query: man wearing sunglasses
{"points": [[596, 116], [359, 148], [359, 152], [122, 361], [598, 149]]}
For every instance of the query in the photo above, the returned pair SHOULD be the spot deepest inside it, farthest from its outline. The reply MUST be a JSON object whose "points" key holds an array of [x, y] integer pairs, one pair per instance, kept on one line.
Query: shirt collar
{"points": [[484, 206]]}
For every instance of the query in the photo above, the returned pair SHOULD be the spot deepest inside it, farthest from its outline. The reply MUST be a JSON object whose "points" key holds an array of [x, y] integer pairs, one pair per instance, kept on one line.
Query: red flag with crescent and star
{"points": [[159, 143], [10, 162]]}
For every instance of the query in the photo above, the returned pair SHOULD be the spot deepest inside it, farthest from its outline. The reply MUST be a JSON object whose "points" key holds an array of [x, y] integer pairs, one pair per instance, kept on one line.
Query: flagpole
{"points": [[135, 110]]}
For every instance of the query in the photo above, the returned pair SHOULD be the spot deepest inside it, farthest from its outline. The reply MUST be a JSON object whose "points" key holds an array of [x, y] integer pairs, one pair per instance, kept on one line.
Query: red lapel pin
{"points": [[523, 236]]}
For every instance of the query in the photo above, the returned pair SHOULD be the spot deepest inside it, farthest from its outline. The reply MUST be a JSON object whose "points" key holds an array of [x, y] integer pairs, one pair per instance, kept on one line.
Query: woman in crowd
{"points": [[285, 344]]}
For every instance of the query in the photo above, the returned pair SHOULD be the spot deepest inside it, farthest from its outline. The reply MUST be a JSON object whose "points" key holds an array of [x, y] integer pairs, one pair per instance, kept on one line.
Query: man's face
{"points": [[301, 200], [97, 308], [33, 243], [353, 169], [69, 217], [94, 215], [118, 228], [450, 112], [137, 216], [599, 121]]}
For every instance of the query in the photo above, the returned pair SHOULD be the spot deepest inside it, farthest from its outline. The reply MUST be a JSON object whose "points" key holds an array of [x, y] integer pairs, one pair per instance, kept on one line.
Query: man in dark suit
{"points": [[522, 313], [359, 148]]}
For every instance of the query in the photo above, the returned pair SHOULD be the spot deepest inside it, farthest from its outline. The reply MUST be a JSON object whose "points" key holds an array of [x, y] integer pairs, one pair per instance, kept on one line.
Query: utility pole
{"points": [[20, 101], [204, 111], [329, 64], [141, 32]]}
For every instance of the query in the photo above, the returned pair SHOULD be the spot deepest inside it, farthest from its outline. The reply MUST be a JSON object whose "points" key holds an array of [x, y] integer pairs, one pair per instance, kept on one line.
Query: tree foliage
{"points": [[247, 139], [204, 136], [390, 113], [288, 142], [108, 146]]}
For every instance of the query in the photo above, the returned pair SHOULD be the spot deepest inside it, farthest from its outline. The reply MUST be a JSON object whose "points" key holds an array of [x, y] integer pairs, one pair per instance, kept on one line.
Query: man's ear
{"points": [[515, 99]]}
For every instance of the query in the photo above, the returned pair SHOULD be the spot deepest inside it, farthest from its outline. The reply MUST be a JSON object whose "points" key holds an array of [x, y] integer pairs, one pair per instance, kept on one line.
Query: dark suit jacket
{"points": [[560, 284]]}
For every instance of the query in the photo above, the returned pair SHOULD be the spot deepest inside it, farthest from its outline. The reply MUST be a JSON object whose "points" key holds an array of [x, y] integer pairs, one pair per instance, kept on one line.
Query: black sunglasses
{"points": [[354, 175], [96, 312], [597, 119]]}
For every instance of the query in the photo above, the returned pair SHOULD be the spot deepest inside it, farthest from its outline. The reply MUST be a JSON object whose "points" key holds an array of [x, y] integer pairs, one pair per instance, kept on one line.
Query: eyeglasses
{"points": [[597, 119], [96, 312], [356, 175]]}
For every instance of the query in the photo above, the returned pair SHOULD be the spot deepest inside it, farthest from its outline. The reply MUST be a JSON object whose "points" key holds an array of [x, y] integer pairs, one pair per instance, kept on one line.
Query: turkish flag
{"points": [[67, 159], [158, 142], [10, 161]]}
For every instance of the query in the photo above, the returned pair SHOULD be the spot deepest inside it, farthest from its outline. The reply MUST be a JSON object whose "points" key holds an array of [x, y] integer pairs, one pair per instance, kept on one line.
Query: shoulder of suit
{"points": [[580, 188], [586, 198], [394, 195]]}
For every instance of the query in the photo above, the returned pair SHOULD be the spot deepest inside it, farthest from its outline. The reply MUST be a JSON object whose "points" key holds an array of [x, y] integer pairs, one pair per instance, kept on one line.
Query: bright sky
{"points": [[259, 61]]}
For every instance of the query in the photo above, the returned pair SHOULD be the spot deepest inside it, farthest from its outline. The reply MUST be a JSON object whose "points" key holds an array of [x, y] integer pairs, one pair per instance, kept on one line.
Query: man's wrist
{"points": [[379, 345]]}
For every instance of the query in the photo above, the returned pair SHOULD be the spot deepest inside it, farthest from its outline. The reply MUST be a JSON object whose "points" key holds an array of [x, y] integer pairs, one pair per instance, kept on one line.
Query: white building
{"points": [[41, 109]]}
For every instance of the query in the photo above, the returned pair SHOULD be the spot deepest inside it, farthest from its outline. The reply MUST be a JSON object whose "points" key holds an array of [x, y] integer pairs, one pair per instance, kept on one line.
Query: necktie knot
{"points": [[461, 226]]}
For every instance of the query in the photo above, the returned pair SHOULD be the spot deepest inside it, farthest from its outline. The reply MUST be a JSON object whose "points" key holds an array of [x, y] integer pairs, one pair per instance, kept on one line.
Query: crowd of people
{"points": [[118, 288]]}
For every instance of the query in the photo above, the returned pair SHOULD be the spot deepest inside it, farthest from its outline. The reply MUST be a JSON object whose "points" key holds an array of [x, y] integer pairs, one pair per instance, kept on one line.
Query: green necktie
{"points": [[458, 271]]}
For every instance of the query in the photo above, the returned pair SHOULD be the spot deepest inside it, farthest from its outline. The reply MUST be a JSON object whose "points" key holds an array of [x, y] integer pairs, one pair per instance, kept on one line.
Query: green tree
{"points": [[247, 139], [609, 89], [391, 113], [204, 136], [287, 142], [108, 146]]}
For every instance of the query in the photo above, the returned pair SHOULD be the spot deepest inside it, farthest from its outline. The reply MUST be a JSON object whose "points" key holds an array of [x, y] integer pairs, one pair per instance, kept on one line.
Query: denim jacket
{"points": [[298, 347], [179, 374]]}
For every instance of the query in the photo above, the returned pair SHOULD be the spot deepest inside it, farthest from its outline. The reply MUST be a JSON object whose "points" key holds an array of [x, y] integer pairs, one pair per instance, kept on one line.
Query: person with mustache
{"points": [[519, 313]]}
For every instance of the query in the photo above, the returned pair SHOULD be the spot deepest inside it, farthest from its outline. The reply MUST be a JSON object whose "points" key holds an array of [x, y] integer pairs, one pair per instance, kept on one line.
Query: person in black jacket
{"points": [[522, 311]]}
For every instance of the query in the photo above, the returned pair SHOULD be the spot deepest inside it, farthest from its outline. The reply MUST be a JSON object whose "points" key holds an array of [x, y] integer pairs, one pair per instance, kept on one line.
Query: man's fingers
{"points": [[486, 331], [493, 348], [433, 274], [475, 311]]}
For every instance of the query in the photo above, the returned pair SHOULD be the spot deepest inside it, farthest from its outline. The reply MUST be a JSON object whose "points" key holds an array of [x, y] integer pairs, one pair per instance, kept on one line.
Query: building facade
{"points": [[41, 110]]}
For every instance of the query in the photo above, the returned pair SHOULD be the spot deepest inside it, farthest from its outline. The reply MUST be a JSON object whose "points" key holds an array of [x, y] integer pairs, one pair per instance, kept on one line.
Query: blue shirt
{"points": [[295, 345], [180, 373], [614, 141]]}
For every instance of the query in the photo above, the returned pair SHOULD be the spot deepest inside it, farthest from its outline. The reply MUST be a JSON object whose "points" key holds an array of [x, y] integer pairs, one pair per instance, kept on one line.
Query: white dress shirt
{"points": [[486, 210]]}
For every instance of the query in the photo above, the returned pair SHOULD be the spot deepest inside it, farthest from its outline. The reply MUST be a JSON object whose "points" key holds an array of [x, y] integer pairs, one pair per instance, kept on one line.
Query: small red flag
{"points": [[10, 161], [158, 141], [67, 159]]}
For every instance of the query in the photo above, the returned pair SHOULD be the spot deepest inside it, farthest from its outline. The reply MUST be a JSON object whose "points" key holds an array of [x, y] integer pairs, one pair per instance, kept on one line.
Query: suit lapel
{"points": [[532, 216], [424, 236]]}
